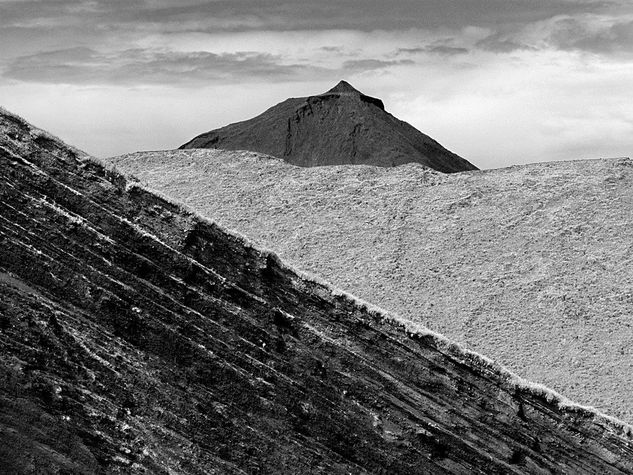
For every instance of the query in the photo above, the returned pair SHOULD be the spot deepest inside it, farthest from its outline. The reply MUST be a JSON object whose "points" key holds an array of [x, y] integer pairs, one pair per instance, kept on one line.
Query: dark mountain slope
{"points": [[341, 126], [136, 337]]}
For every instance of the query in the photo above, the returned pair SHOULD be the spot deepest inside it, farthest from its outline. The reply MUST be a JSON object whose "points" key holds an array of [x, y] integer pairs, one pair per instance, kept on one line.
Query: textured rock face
{"points": [[139, 338], [341, 126], [529, 265]]}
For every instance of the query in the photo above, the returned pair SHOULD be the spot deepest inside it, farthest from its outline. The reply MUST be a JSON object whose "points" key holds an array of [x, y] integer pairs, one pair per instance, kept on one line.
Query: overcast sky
{"points": [[499, 82]]}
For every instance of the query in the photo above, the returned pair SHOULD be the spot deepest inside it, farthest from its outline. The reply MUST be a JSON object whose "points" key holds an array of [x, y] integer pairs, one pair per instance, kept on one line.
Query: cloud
{"points": [[416, 50], [593, 34], [50, 13], [599, 34], [356, 65], [241, 15], [365, 15], [138, 66], [82, 65], [440, 49], [500, 43], [447, 50], [332, 49]]}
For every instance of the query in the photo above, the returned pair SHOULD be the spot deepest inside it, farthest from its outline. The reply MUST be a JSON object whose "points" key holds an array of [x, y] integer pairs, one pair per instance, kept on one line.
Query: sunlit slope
{"points": [[531, 265]]}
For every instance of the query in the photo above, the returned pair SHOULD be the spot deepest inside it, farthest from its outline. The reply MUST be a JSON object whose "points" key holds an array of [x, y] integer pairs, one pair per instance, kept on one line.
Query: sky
{"points": [[499, 82]]}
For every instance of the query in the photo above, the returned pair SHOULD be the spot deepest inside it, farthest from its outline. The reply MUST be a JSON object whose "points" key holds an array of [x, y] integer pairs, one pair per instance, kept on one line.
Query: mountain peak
{"points": [[338, 127], [343, 87]]}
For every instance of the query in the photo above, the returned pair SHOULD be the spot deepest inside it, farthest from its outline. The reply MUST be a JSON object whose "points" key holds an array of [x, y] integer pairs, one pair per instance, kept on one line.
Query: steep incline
{"points": [[531, 265], [139, 338], [341, 126]]}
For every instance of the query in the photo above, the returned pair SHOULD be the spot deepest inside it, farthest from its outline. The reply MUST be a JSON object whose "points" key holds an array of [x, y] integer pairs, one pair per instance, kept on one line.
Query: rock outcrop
{"points": [[137, 337], [341, 126]]}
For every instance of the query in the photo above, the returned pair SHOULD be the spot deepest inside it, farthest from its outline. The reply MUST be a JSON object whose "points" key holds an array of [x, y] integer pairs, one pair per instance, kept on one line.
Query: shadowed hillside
{"points": [[341, 126], [137, 337], [530, 265]]}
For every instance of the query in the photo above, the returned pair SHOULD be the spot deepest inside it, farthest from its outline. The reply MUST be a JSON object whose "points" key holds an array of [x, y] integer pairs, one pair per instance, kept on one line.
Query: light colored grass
{"points": [[530, 265], [481, 364]]}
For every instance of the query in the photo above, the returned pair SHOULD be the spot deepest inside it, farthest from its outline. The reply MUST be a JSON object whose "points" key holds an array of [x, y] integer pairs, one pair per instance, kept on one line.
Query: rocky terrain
{"points": [[138, 337], [529, 265], [341, 126]]}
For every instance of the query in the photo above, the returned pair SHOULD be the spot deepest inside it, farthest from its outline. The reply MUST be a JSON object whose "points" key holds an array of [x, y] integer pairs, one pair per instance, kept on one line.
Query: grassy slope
{"points": [[529, 265]]}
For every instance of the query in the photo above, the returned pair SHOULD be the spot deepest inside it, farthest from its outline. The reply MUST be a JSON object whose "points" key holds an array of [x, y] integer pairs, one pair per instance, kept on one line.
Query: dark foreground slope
{"points": [[139, 338], [341, 126]]}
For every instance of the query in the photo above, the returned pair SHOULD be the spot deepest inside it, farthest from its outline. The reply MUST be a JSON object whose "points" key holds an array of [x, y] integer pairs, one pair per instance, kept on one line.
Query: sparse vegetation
{"points": [[478, 361], [529, 265]]}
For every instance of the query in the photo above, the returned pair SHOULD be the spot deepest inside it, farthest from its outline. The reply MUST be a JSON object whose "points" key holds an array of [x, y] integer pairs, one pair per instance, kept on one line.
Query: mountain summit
{"points": [[340, 126], [343, 87]]}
